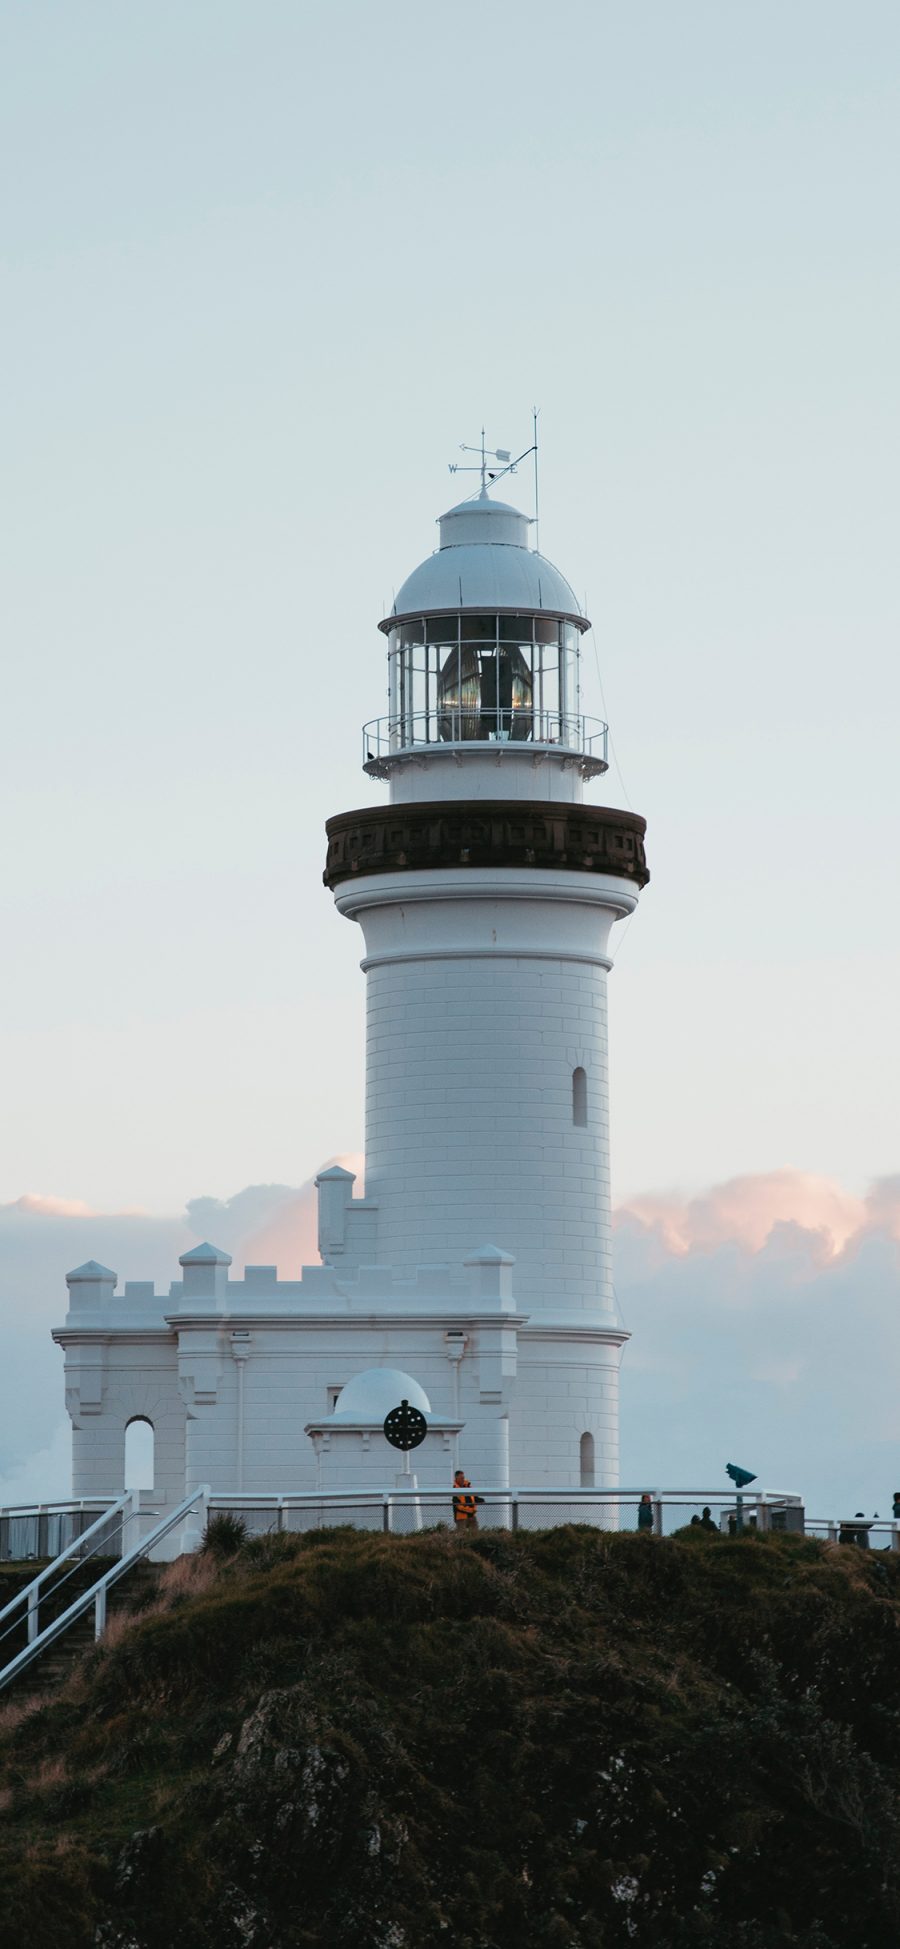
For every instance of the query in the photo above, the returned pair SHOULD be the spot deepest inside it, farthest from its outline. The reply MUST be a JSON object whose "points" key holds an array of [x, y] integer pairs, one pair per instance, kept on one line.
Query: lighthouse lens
{"points": [[485, 695], [459, 696]]}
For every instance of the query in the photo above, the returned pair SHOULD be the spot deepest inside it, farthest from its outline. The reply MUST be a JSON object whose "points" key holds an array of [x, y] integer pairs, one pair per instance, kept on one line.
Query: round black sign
{"points": [[405, 1427]]}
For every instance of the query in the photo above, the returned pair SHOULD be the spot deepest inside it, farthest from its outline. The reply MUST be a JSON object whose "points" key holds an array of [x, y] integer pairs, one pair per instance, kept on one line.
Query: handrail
{"points": [[97, 1593], [508, 1504], [763, 1509], [60, 1506], [29, 1595], [449, 724], [538, 1492]]}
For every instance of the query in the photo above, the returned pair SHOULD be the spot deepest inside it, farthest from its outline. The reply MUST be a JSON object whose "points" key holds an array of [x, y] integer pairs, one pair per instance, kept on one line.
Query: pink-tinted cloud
{"points": [[766, 1330], [33, 1202], [748, 1210], [268, 1224]]}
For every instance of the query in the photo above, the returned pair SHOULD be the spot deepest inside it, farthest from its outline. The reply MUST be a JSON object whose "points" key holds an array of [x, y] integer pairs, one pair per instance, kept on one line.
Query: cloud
{"points": [[45, 1475], [268, 1224], [747, 1209], [51, 1207], [766, 1330], [764, 1316], [226, 1221], [287, 1236], [40, 1240]]}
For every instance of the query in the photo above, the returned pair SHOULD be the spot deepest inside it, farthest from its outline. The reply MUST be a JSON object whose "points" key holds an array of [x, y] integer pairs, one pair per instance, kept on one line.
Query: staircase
{"points": [[129, 1597], [65, 1607]]}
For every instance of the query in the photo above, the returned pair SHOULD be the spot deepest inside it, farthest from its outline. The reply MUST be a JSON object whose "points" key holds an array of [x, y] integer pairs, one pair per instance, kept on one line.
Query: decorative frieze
{"points": [[502, 832]]}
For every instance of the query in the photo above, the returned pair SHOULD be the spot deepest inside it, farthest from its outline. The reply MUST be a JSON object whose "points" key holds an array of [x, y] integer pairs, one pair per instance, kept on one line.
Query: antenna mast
{"points": [[537, 506]]}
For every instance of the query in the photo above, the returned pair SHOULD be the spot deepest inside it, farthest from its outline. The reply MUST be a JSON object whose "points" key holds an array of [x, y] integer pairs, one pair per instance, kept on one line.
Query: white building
{"points": [[478, 1262]]}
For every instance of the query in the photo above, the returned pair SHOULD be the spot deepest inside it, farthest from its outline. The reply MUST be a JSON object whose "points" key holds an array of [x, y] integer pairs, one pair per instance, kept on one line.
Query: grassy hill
{"points": [[392, 1743]]}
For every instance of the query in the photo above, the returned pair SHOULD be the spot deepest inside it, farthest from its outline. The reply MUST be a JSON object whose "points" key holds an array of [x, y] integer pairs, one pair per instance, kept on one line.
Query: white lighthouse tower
{"points": [[473, 1277], [486, 889]]}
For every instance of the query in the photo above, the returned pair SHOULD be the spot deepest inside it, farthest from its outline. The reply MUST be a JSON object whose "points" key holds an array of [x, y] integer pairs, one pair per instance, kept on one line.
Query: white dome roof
{"points": [[372, 1394], [484, 562], [484, 520]]}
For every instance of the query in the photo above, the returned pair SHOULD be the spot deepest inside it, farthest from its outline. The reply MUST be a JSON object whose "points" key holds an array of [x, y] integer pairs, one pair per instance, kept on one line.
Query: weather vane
{"points": [[500, 454], [504, 465]]}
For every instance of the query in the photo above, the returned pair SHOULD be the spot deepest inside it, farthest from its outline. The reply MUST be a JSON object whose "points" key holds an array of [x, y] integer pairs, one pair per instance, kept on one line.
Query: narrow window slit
{"points": [[579, 1098]]}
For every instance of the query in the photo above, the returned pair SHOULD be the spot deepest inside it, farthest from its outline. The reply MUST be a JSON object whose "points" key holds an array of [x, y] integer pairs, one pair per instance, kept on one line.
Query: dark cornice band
{"points": [[479, 832]]}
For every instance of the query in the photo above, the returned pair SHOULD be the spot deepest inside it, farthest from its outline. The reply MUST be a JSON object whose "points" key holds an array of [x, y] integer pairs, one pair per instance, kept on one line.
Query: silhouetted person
{"points": [[645, 1512], [706, 1521], [465, 1513]]}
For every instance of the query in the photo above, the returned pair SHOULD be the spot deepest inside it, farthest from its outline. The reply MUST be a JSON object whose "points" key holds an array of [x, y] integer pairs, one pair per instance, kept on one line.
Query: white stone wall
{"points": [[139, 1381], [469, 1126], [566, 1387], [290, 1375], [524, 1392], [508, 771], [363, 1459], [484, 994]]}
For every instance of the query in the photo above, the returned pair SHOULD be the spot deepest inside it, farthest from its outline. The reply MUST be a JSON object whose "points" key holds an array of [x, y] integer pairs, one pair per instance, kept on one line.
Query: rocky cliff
{"points": [[383, 1743]]}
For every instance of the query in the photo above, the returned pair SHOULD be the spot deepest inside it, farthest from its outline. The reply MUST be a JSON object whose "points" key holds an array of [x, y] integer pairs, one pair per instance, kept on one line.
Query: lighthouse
{"points": [[486, 889], [471, 1277]]}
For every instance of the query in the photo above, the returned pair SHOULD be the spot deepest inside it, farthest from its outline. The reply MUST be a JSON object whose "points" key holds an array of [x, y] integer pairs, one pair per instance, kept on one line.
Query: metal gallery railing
{"points": [[387, 737]]}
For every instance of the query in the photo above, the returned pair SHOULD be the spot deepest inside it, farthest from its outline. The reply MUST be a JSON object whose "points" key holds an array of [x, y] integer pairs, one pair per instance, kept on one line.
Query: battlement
{"points": [[207, 1291]]}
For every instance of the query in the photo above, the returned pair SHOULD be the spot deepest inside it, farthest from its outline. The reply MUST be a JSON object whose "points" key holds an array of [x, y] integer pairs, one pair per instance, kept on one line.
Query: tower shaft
{"points": [[486, 891]]}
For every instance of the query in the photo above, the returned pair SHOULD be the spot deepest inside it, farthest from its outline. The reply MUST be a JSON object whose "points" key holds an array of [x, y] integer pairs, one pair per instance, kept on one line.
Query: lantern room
{"points": [[484, 648]]}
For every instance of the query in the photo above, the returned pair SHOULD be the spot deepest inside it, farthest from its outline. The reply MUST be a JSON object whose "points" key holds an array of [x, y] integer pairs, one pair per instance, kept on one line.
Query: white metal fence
{"points": [[45, 1529], [38, 1531], [401, 1511]]}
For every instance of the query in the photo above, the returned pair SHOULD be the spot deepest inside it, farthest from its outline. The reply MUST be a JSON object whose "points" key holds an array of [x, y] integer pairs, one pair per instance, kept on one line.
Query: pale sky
{"points": [[264, 268]]}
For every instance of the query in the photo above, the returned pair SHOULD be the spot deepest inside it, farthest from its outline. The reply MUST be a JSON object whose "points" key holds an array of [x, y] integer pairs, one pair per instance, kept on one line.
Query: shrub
{"points": [[225, 1536]]}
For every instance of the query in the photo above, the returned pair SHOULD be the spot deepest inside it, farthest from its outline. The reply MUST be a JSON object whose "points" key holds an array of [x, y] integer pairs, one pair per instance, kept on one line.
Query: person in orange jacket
{"points": [[465, 1513]]}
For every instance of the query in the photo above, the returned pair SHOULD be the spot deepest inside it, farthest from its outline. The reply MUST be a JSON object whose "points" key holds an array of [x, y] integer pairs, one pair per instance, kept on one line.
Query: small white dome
{"points": [[484, 562], [372, 1395], [483, 521]]}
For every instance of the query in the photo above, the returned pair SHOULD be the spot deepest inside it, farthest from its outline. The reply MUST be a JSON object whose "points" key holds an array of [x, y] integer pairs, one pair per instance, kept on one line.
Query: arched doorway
{"points": [[139, 1457]]}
